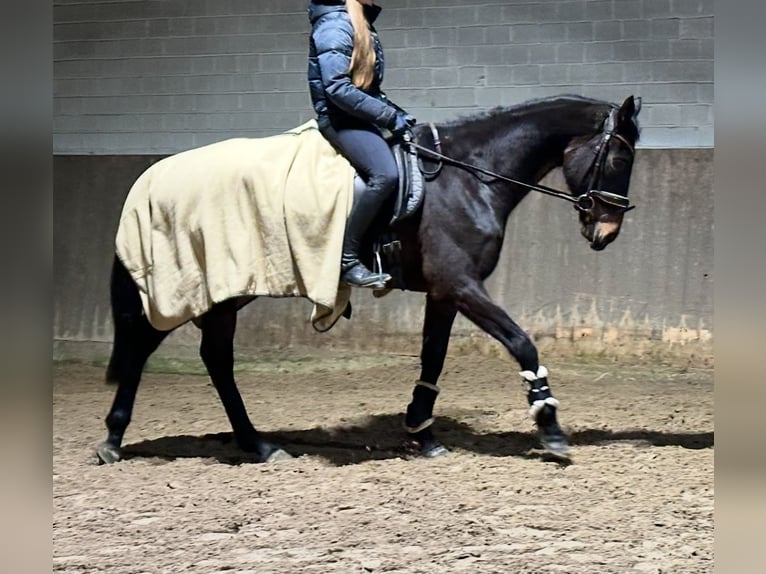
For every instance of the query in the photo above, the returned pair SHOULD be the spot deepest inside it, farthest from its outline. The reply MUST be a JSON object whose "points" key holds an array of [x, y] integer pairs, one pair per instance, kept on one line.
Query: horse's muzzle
{"points": [[603, 233]]}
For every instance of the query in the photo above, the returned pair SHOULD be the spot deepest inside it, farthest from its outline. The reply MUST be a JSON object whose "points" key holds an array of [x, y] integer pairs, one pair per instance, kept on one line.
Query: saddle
{"points": [[409, 196], [413, 174]]}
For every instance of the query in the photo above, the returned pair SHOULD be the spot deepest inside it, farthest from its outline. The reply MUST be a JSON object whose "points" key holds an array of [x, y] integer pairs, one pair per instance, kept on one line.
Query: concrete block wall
{"points": [[160, 76]]}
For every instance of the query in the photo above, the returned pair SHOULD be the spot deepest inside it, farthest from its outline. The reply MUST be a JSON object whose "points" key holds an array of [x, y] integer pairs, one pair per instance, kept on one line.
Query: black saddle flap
{"points": [[411, 188]]}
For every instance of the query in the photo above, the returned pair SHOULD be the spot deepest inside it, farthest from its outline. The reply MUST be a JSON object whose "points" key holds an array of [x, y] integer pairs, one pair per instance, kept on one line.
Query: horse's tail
{"points": [[126, 310]]}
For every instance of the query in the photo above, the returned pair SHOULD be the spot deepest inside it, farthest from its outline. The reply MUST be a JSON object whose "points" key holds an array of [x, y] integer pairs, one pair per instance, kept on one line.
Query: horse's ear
{"points": [[629, 109]]}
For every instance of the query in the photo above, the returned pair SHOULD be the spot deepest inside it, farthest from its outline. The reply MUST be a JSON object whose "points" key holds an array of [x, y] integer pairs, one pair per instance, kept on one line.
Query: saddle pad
{"points": [[241, 217]]}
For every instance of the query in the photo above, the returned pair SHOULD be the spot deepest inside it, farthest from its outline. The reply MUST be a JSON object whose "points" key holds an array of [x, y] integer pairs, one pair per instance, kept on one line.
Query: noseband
{"points": [[585, 202]]}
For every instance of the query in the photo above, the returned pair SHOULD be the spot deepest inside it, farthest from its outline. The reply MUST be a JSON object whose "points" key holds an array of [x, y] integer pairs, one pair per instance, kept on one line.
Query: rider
{"points": [[345, 72]]}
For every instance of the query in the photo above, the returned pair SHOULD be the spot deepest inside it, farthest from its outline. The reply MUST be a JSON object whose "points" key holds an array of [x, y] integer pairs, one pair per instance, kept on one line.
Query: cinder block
{"points": [[599, 52], [596, 73], [491, 55], [580, 32], [471, 76], [655, 8], [602, 10], [665, 28], [627, 51], [636, 30], [553, 32], [528, 74], [516, 54], [433, 57], [607, 30], [692, 7], [696, 115], [471, 36], [627, 9], [683, 71], [490, 15], [571, 11], [697, 28], [570, 52], [554, 74], [664, 115], [497, 34], [655, 50], [637, 72], [446, 78], [525, 33], [542, 53], [461, 98], [500, 75]]}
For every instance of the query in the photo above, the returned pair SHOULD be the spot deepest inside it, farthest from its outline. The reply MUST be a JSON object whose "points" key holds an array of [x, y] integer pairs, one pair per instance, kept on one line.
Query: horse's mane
{"points": [[523, 108], [539, 105]]}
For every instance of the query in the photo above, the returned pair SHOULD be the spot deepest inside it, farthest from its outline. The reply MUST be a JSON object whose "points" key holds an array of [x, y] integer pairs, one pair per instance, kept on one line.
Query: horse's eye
{"points": [[618, 162]]}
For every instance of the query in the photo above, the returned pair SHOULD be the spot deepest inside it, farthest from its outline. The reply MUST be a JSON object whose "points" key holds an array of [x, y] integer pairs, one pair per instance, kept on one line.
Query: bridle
{"points": [[585, 202]]}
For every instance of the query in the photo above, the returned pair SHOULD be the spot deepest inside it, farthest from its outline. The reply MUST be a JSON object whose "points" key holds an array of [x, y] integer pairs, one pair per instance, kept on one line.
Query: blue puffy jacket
{"points": [[331, 45]]}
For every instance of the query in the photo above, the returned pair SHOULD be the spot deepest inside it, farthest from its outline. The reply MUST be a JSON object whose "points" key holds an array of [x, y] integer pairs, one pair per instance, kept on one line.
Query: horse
{"points": [[478, 169]]}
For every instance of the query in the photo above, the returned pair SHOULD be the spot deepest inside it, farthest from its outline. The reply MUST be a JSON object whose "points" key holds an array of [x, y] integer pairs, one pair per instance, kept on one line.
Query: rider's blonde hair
{"points": [[363, 57]]}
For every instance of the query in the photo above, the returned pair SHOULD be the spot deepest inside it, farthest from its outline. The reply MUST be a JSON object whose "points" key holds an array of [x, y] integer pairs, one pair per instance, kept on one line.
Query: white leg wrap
{"points": [[538, 405], [431, 386], [424, 425], [530, 376]]}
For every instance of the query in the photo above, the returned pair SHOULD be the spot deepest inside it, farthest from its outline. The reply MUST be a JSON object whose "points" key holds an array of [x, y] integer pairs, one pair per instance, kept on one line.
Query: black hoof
{"points": [[107, 453]]}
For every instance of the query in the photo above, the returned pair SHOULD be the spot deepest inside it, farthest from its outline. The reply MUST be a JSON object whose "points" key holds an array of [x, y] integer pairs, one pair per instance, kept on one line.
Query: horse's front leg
{"points": [[474, 303], [439, 317]]}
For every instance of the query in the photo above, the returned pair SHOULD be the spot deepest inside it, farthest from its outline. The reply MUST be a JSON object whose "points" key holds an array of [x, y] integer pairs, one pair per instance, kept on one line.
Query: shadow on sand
{"points": [[381, 437]]}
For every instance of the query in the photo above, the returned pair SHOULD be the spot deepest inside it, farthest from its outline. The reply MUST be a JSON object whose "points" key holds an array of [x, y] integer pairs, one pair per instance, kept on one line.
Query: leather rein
{"points": [[584, 202]]}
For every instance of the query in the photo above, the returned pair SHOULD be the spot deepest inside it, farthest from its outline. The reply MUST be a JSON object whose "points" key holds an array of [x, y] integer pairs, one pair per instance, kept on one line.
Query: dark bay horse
{"points": [[487, 164]]}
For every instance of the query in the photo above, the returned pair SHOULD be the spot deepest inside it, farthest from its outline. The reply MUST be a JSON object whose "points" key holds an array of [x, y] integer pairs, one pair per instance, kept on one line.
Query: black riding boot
{"points": [[352, 270]]}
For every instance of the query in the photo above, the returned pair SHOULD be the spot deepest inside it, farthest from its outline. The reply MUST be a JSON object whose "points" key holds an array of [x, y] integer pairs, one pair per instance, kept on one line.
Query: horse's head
{"points": [[597, 169]]}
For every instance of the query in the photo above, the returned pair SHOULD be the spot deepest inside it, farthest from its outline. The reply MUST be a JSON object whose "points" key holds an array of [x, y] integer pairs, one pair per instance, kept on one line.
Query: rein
{"points": [[583, 202]]}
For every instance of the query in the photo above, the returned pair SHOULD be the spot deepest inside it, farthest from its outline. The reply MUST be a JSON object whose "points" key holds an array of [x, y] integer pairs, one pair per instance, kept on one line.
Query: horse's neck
{"points": [[525, 148], [526, 152]]}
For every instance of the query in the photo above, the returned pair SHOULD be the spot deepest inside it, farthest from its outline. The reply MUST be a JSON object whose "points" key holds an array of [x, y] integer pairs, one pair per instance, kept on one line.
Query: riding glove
{"points": [[403, 122]]}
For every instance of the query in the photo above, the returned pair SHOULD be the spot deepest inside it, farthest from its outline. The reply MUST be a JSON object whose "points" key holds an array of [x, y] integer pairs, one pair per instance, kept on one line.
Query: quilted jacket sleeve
{"points": [[334, 45]]}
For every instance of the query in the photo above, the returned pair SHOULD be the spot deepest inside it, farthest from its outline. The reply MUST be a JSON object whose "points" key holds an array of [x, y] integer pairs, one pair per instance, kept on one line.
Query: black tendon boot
{"points": [[352, 270]]}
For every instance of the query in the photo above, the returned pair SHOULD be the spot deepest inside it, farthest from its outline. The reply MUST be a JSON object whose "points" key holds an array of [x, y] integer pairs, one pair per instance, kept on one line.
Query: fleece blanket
{"points": [[241, 217]]}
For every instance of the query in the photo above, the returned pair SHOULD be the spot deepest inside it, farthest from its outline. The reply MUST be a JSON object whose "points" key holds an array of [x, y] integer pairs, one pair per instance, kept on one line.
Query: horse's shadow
{"points": [[381, 437]]}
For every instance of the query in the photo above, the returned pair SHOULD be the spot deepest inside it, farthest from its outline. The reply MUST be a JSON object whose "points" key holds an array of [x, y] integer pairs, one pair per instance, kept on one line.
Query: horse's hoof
{"points": [[279, 455], [108, 454], [435, 451], [429, 450], [556, 448]]}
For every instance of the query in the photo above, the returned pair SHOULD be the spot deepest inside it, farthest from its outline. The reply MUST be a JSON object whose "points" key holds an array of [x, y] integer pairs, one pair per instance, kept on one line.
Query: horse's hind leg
{"points": [[217, 352], [134, 340], [439, 317]]}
